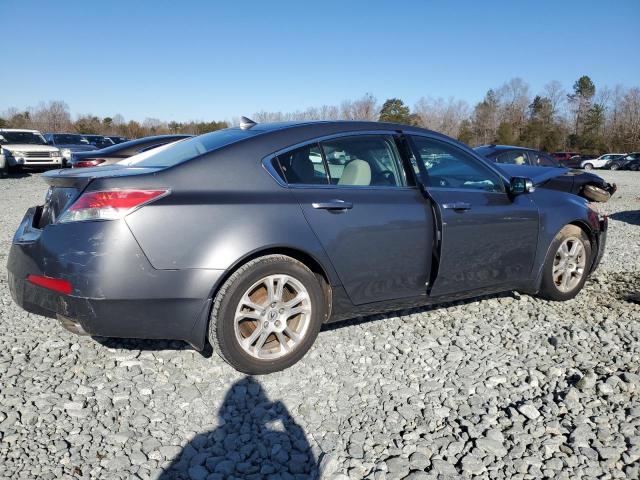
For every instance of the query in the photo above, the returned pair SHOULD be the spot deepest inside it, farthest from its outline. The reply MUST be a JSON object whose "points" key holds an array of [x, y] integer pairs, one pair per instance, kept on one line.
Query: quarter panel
{"points": [[215, 230]]}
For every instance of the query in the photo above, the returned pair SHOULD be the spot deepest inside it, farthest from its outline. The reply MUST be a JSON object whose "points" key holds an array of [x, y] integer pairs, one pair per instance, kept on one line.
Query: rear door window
{"points": [[303, 166], [363, 160], [542, 159]]}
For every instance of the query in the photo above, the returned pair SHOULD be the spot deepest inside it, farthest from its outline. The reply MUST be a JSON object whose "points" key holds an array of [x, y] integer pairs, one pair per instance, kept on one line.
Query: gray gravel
{"points": [[504, 387]]}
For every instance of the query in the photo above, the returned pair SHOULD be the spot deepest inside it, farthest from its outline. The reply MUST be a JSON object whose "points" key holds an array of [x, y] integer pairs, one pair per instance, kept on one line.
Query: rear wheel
{"points": [[567, 264], [267, 314], [614, 166]]}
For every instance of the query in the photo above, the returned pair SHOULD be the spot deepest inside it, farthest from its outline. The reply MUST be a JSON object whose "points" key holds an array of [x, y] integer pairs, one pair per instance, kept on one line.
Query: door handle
{"points": [[457, 206], [332, 205]]}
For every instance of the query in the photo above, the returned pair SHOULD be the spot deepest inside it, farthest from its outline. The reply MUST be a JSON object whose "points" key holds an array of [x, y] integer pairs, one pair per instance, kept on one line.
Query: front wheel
{"points": [[567, 264], [267, 314], [614, 166], [588, 166]]}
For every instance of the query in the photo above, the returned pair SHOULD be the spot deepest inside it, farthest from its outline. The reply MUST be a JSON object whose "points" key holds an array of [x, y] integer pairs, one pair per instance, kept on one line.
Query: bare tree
{"points": [[557, 95], [51, 117], [444, 116]]}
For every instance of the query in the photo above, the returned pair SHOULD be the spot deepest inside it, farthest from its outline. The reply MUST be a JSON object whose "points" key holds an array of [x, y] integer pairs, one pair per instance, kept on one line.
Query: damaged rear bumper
{"points": [[116, 292]]}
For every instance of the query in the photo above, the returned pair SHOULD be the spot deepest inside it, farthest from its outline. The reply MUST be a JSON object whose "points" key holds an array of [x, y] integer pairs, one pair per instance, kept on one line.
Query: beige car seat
{"points": [[356, 172]]}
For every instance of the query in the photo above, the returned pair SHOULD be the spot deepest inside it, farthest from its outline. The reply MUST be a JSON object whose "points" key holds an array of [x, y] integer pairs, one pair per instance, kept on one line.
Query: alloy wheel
{"points": [[569, 264], [273, 317]]}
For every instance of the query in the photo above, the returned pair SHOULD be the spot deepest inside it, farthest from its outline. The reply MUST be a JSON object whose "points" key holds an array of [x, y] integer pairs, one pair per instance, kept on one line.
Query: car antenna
{"points": [[246, 123]]}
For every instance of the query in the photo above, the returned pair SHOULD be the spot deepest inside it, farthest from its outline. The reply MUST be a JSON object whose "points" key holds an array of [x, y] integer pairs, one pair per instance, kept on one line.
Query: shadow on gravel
{"points": [[409, 311], [255, 438], [631, 217], [149, 345], [21, 174]]}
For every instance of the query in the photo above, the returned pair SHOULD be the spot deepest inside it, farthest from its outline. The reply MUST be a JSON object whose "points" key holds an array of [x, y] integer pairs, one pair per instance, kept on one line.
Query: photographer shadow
{"points": [[255, 438]]}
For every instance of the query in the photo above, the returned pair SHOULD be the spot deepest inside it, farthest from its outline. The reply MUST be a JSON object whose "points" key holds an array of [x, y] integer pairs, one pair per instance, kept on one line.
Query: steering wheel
{"points": [[439, 182]]}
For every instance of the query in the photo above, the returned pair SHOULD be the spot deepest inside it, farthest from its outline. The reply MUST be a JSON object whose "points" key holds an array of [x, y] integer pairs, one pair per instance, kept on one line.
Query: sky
{"points": [[206, 60]]}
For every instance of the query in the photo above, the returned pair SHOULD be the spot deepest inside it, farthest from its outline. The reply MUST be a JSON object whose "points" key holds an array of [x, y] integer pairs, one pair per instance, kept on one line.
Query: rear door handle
{"points": [[457, 206], [333, 205]]}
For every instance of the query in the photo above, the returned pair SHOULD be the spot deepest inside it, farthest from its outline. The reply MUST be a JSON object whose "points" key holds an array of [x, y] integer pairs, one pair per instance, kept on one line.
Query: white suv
{"points": [[26, 148], [599, 162]]}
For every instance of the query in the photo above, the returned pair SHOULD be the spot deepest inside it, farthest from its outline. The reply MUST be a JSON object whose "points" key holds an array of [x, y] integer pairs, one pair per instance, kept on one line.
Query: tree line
{"points": [[585, 118], [54, 116]]}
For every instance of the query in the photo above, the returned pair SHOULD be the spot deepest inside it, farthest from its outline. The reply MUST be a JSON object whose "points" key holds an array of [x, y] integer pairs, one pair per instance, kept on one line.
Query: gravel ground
{"points": [[504, 387]]}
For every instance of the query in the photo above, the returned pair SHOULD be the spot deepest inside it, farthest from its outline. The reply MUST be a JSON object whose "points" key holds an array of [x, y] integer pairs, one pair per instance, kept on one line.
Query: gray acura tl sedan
{"points": [[252, 237]]}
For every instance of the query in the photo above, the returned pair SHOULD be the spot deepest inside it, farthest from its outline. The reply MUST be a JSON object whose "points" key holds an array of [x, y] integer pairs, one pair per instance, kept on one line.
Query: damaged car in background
{"points": [[547, 171]]}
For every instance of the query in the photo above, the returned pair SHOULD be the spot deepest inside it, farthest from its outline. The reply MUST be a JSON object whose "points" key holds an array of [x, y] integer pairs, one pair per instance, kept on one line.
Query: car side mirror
{"points": [[519, 185]]}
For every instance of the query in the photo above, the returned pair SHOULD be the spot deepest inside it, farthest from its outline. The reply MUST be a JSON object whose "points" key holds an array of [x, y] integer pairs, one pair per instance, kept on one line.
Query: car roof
{"points": [[502, 148], [19, 130]]}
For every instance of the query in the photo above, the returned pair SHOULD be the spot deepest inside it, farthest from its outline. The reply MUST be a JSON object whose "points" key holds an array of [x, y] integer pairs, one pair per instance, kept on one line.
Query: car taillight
{"points": [[88, 163], [108, 205], [55, 284]]}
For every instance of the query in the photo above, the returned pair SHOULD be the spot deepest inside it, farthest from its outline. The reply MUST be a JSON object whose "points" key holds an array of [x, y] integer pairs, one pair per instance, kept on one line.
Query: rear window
{"points": [[484, 151], [193, 147]]}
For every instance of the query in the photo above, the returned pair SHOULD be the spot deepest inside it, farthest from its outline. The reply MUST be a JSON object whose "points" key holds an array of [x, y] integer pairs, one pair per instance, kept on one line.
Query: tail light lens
{"points": [[55, 284], [88, 163], [108, 205]]}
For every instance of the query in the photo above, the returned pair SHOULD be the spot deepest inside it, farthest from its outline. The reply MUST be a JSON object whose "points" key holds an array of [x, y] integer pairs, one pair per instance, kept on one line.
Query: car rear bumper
{"points": [[115, 290]]}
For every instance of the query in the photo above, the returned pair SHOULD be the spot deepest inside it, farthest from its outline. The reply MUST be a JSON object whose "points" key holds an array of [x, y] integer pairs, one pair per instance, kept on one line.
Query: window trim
{"points": [[267, 162], [484, 163]]}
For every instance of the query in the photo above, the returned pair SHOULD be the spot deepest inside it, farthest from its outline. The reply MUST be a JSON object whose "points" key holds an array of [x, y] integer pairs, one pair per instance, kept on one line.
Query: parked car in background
{"points": [[599, 162], [99, 141], [116, 153], [625, 162], [4, 168], [242, 238], [517, 155], [27, 148], [584, 184], [69, 143], [116, 139]]}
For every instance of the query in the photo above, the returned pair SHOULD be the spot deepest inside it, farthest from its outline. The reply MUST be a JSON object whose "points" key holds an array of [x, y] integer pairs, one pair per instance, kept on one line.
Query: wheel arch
{"points": [[582, 225]]}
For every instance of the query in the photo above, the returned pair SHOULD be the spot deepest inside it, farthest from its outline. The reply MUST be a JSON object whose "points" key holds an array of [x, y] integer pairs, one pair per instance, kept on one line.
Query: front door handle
{"points": [[332, 205], [457, 206]]}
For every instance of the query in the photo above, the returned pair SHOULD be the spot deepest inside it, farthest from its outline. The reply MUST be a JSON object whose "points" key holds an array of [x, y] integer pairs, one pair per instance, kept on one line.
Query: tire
{"points": [[233, 320], [595, 194], [554, 288], [4, 168], [587, 166], [614, 166], [14, 169]]}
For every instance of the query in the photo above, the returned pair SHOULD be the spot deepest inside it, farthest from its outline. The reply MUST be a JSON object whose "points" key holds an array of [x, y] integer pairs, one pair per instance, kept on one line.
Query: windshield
{"points": [[31, 138], [182, 151], [70, 139]]}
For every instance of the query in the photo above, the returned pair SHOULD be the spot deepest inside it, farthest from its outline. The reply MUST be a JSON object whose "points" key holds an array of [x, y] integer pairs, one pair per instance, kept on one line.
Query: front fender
{"points": [[558, 209]]}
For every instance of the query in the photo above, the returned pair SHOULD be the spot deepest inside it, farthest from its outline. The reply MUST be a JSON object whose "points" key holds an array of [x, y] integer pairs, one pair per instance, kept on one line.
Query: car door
{"points": [[376, 228], [488, 238]]}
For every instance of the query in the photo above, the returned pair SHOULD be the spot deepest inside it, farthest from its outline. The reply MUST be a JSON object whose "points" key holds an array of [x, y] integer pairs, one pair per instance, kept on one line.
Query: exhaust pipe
{"points": [[71, 325]]}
